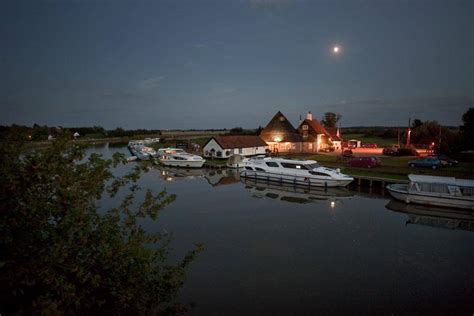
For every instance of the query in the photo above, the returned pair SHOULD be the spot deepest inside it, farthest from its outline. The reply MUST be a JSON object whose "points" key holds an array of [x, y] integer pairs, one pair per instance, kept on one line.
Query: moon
{"points": [[336, 49]]}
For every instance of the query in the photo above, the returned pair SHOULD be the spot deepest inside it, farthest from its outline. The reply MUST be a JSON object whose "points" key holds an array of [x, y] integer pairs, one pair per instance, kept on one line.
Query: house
{"points": [[310, 136], [315, 136], [281, 136], [226, 146], [336, 138]]}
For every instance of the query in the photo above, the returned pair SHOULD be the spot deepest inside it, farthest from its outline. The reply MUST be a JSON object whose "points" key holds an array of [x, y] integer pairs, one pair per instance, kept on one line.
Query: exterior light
{"points": [[333, 204], [277, 139]]}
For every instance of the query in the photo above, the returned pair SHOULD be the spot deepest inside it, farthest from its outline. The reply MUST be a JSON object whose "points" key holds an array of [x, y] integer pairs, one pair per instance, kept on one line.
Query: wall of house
{"points": [[212, 148], [285, 147], [226, 153]]}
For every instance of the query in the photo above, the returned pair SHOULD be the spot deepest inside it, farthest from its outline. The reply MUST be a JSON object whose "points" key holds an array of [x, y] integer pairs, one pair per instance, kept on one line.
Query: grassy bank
{"points": [[391, 167]]}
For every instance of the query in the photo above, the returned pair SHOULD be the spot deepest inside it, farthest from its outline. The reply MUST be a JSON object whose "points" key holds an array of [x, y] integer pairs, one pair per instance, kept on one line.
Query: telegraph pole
{"points": [[408, 133]]}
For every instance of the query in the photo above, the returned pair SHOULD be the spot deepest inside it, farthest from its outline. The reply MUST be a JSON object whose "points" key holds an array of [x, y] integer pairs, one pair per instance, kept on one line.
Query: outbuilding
{"points": [[226, 146]]}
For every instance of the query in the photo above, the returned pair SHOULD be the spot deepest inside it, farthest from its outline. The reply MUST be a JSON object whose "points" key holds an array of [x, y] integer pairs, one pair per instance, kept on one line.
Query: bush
{"points": [[59, 254]]}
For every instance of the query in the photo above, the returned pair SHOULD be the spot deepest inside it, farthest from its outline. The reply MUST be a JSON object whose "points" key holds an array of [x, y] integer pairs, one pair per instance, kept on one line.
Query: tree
{"points": [[416, 123], [60, 254], [330, 119], [467, 129]]}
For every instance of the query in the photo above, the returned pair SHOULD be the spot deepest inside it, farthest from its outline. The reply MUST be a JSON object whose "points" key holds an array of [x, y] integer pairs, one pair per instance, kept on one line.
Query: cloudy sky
{"points": [[212, 64]]}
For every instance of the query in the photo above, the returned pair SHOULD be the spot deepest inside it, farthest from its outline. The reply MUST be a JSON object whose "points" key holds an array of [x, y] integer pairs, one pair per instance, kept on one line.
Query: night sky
{"points": [[212, 64]]}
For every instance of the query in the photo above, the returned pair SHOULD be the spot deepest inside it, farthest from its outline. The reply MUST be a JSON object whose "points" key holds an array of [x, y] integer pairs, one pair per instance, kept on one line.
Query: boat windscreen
{"points": [[311, 166]]}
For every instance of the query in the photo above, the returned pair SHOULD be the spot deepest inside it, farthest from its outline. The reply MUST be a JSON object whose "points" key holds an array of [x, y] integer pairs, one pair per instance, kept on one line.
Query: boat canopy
{"points": [[441, 180]]}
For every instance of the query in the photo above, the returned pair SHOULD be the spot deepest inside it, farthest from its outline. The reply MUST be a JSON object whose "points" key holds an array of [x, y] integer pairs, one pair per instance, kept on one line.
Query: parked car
{"points": [[426, 162], [364, 162], [445, 160], [347, 153], [390, 151]]}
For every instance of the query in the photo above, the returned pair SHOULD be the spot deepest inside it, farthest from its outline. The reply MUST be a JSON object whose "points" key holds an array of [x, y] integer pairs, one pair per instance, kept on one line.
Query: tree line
{"points": [[43, 132]]}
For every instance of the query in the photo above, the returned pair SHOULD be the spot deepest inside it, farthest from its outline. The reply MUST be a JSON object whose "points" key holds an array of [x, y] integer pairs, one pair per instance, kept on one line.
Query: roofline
{"points": [[237, 146]]}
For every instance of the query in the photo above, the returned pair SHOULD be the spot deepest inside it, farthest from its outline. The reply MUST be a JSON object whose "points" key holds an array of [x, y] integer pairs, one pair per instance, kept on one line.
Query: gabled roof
{"points": [[279, 127], [315, 126], [333, 132], [238, 141]]}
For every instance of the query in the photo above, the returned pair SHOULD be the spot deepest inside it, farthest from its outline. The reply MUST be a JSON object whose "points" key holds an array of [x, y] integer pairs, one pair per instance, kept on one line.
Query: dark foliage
{"points": [[59, 254]]}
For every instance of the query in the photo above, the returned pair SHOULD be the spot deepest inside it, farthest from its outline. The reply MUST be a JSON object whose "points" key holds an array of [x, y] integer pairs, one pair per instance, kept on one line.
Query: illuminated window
{"points": [[305, 127]]}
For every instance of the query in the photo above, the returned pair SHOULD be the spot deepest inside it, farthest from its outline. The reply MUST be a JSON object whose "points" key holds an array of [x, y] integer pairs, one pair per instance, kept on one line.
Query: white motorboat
{"points": [[436, 191], [177, 157], [297, 172], [139, 150]]}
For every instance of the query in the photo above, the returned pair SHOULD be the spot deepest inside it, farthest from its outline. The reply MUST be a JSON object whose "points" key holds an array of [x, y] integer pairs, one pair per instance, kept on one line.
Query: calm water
{"points": [[275, 251]]}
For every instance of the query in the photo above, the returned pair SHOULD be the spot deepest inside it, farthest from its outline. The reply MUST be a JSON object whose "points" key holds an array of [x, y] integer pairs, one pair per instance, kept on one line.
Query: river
{"points": [[281, 250]]}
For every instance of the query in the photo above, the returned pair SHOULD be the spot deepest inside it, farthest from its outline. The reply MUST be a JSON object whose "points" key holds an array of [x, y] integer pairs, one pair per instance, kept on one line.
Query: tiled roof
{"points": [[333, 132], [239, 141], [315, 126], [279, 127]]}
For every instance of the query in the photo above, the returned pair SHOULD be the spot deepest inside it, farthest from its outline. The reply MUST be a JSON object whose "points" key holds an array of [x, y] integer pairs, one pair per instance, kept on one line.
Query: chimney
{"points": [[309, 116], [338, 132]]}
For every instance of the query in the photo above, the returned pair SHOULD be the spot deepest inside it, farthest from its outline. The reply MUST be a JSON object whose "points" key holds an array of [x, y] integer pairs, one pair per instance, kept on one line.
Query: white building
{"points": [[226, 146]]}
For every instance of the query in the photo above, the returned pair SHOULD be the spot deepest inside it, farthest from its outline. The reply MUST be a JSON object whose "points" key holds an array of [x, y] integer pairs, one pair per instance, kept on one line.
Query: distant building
{"points": [[281, 136], [310, 136], [226, 146], [76, 134]]}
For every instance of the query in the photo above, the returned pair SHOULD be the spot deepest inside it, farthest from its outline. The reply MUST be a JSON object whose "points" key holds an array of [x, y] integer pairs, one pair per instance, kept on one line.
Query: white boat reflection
{"points": [[214, 177], [294, 194], [434, 216], [172, 174]]}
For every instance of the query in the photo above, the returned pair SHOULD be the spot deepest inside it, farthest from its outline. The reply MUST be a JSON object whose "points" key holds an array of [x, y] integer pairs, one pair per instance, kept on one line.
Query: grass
{"points": [[391, 167], [373, 173]]}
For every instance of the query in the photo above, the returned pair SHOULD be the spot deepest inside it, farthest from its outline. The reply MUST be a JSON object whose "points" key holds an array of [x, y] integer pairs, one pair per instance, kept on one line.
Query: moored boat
{"points": [[139, 150], [436, 191], [177, 157], [297, 172]]}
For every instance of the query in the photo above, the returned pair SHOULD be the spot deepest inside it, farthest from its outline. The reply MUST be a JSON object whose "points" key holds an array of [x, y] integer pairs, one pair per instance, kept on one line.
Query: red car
{"points": [[364, 162]]}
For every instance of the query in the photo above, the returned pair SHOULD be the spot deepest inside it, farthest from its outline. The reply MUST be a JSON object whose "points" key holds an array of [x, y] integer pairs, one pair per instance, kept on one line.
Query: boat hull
{"points": [[399, 192], [183, 163], [296, 179]]}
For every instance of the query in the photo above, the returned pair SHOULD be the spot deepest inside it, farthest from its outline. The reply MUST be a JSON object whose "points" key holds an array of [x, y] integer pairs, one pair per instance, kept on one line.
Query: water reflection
{"points": [[214, 177], [294, 194], [434, 216]]}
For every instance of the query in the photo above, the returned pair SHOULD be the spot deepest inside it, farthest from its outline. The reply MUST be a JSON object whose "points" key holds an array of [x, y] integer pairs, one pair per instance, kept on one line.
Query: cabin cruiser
{"points": [[177, 157], [298, 172], [139, 150], [436, 191]]}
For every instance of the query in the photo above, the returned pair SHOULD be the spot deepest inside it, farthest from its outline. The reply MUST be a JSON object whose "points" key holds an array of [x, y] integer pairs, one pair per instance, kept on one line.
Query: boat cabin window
{"points": [[248, 168], [259, 169], [312, 166], [291, 165], [433, 187], [271, 164], [467, 191], [315, 173]]}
